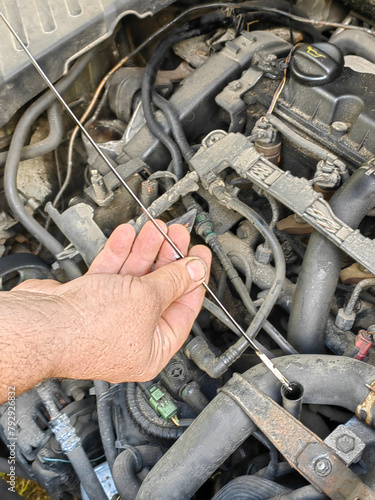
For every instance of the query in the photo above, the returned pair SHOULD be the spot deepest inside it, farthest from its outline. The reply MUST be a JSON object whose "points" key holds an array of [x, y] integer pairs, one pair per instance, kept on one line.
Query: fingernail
{"points": [[197, 269]]}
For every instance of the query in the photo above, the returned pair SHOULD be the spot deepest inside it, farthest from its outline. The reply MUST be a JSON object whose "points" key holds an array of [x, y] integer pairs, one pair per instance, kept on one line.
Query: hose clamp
{"points": [[65, 433], [364, 410]]}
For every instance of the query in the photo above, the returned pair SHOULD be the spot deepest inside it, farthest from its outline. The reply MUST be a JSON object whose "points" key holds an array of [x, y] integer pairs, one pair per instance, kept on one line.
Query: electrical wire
{"points": [[281, 86]]}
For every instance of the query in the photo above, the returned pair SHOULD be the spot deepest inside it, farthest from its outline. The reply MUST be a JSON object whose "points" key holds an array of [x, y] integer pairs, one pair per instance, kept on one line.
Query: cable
{"points": [[281, 86], [104, 411]]}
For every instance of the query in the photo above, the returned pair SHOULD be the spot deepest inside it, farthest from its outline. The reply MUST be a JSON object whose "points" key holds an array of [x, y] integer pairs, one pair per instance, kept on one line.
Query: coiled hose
{"points": [[143, 422]]}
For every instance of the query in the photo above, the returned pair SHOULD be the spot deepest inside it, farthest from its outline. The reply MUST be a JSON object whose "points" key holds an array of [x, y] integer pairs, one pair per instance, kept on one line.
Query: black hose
{"points": [[271, 469], [175, 123], [279, 260], [127, 465], [250, 488], [86, 474], [148, 81], [14, 155], [321, 266], [106, 429], [50, 143], [305, 493], [148, 427], [209, 441], [355, 42]]}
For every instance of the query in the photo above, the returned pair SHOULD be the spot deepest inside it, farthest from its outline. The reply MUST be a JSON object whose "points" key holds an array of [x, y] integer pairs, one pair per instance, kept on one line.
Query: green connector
{"points": [[163, 405]]}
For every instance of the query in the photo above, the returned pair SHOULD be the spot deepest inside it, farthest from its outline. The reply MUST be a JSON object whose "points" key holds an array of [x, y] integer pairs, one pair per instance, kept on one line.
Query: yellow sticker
{"points": [[314, 53]]}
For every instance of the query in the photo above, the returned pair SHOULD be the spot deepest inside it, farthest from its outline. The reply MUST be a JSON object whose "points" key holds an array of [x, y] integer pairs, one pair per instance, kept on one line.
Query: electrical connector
{"points": [[163, 405]]}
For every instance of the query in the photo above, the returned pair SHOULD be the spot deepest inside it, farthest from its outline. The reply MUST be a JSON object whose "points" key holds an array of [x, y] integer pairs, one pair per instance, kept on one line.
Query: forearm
{"points": [[27, 345]]}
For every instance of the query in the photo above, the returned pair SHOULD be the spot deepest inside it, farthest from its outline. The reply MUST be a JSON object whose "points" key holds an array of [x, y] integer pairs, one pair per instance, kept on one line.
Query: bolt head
{"points": [[323, 467], [345, 443]]}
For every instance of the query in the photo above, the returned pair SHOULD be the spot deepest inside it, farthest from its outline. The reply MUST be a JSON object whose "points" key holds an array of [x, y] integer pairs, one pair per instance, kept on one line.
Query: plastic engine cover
{"points": [[56, 32]]}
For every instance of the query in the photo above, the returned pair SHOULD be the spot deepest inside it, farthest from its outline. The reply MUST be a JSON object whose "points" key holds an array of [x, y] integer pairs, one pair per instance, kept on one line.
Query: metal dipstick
{"points": [[265, 360]]}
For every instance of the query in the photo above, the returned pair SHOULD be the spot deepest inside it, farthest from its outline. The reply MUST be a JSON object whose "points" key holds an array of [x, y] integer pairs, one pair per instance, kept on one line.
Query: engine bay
{"points": [[253, 125]]}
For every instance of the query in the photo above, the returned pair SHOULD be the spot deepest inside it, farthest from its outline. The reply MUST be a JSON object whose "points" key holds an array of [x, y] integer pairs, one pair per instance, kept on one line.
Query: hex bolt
{"points": [[323, 467], [345, 443], [237, 85]]}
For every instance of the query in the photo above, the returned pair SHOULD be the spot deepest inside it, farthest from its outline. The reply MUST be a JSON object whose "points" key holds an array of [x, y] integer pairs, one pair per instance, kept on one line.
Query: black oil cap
{"points": [[317, 63]]}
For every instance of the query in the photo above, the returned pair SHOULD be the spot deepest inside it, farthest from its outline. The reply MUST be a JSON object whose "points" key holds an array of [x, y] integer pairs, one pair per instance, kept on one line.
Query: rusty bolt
{"points": [[323, 467], [345, 443]]}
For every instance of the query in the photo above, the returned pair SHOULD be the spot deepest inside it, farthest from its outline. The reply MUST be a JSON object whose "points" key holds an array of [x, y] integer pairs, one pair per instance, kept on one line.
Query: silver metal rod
{"points": [[267, 362]]}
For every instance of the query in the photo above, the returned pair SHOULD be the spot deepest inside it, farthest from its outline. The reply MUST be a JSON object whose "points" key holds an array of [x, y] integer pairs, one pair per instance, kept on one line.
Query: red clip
{"points": [[364, 341]]}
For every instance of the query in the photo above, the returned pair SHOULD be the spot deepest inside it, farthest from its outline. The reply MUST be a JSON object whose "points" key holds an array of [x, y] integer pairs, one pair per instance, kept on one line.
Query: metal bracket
{"points": [[296, 193], [304, 451], [230, 99]]}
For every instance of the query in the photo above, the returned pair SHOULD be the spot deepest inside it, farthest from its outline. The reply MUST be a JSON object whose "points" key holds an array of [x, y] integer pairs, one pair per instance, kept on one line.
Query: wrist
{"points": [[28, 350]]}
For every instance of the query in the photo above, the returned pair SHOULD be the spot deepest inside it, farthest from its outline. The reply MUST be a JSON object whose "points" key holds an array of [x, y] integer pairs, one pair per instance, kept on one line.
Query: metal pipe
{"points": [[292, 400]]}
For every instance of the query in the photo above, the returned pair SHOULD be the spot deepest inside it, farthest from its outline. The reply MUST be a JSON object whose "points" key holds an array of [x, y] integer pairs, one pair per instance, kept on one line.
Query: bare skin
{"points": [[120, 322]]}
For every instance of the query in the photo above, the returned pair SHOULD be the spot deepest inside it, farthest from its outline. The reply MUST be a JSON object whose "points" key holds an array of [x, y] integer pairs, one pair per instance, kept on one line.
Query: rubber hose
{"points": [[14, 155], [50, 143], [305, 493], [250, 488], [174, 122], [127, 465], [318, 278], [209, 440], [147, 426], [355, 42], [86, 474], [279, 259], [148, 81], [107, 433]]}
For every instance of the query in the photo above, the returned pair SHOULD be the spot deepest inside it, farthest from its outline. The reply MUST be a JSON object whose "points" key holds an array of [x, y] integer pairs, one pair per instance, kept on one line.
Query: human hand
{"points": [[126, 318]]}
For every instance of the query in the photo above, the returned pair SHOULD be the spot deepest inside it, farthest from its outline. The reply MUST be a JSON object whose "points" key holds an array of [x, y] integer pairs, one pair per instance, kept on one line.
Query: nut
{"points": [[344, 321], [263, 255], [323, 467]]}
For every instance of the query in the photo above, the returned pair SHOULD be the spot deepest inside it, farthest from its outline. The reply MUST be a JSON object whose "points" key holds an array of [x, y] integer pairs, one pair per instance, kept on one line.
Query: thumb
{"points": [[176, 279]]}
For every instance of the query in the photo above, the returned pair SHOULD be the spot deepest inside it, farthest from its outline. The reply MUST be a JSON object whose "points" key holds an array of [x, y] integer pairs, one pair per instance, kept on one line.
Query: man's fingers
{"points": [[170, 282], [145, 250], [117, 249], [181, 238], [178, 318]]}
